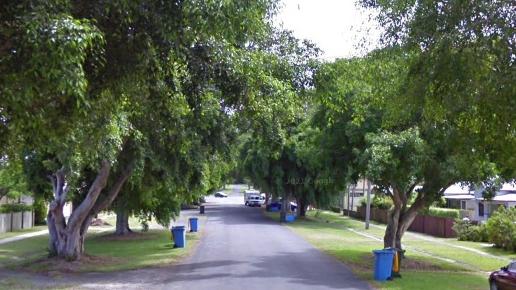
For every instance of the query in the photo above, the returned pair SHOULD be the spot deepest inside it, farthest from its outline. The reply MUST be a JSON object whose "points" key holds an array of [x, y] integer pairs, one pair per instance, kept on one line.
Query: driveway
{"points": [[240, 249]]}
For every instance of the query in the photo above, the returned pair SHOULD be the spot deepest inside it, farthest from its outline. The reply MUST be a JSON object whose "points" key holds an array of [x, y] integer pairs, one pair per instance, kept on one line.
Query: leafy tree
{"points": [[102, 90], [12, 179], [368, 120], [462, 72]]}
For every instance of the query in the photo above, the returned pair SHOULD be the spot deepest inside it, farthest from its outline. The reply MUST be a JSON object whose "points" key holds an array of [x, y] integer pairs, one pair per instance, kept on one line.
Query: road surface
{"points": [[240, 249]]}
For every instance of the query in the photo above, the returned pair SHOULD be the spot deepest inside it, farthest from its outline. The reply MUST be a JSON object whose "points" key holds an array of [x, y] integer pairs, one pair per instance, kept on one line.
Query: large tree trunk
{"points": [[406, 219], [400, 218], [301, 206], [284, 208], [66, 238], [122, 221], [389, 240]]}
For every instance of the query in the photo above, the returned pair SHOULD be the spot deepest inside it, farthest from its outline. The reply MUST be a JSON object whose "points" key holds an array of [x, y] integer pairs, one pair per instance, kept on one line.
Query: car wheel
{"points": [[492, 286]]}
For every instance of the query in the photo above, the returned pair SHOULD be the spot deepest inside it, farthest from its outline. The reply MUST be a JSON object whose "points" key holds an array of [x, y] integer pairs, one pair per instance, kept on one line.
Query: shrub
{"points": [[442, 212], [378, 201], [14, 207], [381, 202], [501, 228], [40, 212], [441, 202], [467, 231], [335, 209], [363, 202]]}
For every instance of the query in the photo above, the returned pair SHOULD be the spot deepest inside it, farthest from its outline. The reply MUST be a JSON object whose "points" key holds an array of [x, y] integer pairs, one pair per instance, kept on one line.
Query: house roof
{"points": [[508, 187], [510, 197], [460, 196], [457, 189]]}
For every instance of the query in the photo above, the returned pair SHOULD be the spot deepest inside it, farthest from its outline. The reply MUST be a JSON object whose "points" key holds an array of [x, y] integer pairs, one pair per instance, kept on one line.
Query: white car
{"points": [[254, 200], [220, 194]]}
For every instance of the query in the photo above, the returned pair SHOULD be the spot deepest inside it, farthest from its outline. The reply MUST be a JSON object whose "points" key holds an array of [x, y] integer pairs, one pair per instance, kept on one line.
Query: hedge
{"points": [[378, 201], [442, 212], [14, 207]]}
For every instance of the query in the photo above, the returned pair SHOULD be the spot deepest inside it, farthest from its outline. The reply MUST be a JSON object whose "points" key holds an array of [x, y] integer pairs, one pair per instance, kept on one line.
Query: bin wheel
{"points": [[492, 286]]}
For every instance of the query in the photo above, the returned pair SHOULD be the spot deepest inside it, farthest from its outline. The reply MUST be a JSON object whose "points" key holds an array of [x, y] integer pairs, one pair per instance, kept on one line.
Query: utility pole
{"points": [[341, 201], [347, 204], [368, 205], [353, 196]]}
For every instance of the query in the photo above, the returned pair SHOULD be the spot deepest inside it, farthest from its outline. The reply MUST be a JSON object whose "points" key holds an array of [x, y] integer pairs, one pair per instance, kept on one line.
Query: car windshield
{"points": [[512, 267]]}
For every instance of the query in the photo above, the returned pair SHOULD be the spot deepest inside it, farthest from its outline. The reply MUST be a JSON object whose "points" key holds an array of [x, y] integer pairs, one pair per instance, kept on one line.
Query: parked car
{"points": [[220, 194], [293, 205], [503, 279], [254, 200]]}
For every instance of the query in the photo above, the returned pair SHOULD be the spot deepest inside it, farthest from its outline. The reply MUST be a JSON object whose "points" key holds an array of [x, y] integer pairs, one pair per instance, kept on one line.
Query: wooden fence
{"points": [[430, 225], [14, 221]]}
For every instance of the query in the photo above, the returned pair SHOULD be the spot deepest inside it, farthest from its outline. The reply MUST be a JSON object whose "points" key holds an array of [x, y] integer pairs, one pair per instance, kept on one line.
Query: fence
{"points": [[430, 225], [14, 221]]}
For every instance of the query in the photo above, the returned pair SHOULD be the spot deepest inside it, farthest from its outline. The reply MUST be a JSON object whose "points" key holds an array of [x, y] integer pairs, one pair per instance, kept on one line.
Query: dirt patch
{"points": [[127, 237], [99, 223], [55, 267], [414, 265], [407, 264]]}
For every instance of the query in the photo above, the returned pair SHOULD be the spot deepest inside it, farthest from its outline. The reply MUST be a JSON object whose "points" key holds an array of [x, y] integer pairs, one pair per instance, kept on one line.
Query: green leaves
{"points": [[12, 179], [462, 69], [396, 158]]}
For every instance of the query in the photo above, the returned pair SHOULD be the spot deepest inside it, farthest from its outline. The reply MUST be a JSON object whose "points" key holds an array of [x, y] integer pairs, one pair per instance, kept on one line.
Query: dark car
{"points": [[220, 194], [504, 279], [277, 204]]}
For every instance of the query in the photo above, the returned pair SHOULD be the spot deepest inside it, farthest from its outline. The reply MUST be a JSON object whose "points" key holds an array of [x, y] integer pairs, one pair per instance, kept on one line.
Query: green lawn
{"points": [[104, 252], [20, 232], [331, 233]]}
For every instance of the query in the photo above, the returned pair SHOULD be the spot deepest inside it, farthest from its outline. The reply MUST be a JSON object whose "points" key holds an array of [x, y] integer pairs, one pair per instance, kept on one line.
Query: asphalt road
{"points": [[240, 249]]}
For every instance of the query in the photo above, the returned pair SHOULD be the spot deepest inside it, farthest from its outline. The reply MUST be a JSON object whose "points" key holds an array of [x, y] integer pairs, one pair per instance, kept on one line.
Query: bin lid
{"points": [[383, 252], [178, 227]]}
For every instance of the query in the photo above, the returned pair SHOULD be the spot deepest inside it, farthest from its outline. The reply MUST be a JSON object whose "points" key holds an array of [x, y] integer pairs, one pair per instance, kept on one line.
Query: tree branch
{"points": [[82, 211], [113, 191]]}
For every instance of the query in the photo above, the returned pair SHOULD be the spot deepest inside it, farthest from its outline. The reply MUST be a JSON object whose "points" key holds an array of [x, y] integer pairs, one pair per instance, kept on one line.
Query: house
{"points": [[472, 204], [352, 197]]}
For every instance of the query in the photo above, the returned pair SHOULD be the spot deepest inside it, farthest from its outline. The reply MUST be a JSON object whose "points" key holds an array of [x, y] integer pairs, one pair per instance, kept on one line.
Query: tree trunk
{"points": [[389, 240], [284, 208], [301, 206], [406, 219], [122, 222], [66, 238]]}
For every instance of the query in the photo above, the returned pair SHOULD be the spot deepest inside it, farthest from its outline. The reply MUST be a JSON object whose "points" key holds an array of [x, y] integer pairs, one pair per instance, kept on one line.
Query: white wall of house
{"points": [[474, 207]]}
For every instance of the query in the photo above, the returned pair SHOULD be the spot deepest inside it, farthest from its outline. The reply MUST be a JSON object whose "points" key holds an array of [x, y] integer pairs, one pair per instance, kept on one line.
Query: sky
{"points": [[338, 27]]}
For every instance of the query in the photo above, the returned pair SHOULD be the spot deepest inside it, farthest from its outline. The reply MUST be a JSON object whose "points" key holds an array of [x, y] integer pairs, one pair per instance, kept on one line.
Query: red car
{"points": [[503, 279]]}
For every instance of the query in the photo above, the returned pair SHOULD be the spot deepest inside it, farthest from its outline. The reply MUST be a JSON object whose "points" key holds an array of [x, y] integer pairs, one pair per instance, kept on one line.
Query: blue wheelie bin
{"points": [[179, 236], [193, 224], [383, 264]]}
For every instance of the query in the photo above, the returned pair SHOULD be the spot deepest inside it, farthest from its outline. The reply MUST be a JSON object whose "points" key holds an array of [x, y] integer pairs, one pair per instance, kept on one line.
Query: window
{"points": [[462, 204], [512, 267], [480, 209]]}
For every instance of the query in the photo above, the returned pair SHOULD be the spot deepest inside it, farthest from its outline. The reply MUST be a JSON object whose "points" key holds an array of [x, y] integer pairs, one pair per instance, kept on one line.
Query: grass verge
{"points": [[104, 253], [21, 232], [332, 234]]}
